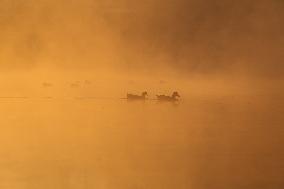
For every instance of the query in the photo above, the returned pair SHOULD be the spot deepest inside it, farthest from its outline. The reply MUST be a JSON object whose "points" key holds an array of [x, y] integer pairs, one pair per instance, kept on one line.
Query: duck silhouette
{"points": [[137, 97], [46, 84], [168, 98]]}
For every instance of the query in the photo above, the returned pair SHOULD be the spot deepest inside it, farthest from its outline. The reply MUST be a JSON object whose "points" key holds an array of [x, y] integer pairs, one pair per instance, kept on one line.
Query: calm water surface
{"points": [[203, 143]]}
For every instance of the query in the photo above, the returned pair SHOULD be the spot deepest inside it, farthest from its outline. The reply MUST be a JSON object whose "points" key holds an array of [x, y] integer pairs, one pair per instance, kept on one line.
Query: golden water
{"points": [[204, 142]]}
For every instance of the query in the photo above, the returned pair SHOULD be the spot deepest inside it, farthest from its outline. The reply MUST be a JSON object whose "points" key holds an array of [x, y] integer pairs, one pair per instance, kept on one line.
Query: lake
{"points": [[203, 142]]}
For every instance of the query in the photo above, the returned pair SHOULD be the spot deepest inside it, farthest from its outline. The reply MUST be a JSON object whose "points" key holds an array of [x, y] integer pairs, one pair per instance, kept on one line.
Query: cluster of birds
{"points": [[75, 84], [173, 98], [144, 94]]}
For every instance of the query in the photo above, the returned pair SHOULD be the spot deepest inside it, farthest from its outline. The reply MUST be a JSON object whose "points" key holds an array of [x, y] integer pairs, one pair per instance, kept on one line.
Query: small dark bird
{"points": [[87, 82], [163, 82], [75, 85], [168, 98], [45, 84], [137, 97]]}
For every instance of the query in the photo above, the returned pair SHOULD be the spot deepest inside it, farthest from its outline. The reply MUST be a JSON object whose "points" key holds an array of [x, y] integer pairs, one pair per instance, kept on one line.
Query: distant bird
{"points": [[163, 82], [137, 97], [75, 85], [87, 82], [45, 84], [168, 98], [131, 82]]}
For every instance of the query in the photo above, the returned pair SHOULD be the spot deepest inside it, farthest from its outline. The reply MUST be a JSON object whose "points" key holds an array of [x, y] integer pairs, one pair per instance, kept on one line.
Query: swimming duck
{"points": [[168, 98], [137, 97]]}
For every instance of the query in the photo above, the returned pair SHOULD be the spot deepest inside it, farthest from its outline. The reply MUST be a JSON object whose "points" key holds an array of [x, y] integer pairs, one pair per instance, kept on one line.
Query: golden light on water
{"points": [[66, 68]]}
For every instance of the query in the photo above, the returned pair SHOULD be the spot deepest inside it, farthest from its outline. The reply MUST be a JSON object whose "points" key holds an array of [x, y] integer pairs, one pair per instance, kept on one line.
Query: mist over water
{"points": [[65, 70], [77, 130]]}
